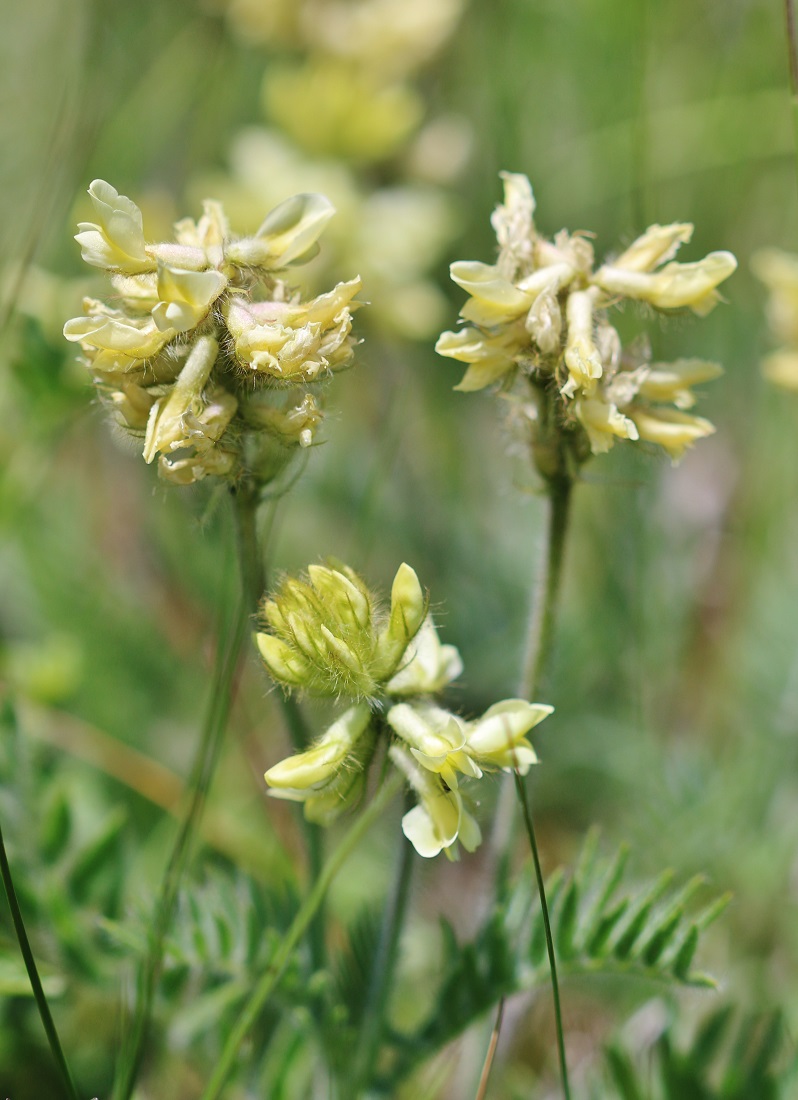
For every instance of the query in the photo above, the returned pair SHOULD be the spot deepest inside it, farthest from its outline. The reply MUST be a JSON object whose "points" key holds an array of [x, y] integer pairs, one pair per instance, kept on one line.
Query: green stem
{"points": [[543, 615], [269, 980], [314, 840], [225, 665], [537, 654], [540, 641], [33, 975], [555, 985], [373, 1012]]}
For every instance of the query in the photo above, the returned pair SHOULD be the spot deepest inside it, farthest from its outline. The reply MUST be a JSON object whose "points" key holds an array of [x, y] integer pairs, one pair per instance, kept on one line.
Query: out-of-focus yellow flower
{"points": [[540, 313], [330, 109], [779, 272], [189, 312], [390, 37]]}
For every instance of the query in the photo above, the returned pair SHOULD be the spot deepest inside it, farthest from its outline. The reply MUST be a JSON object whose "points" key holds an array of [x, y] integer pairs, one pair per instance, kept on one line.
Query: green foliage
{"points": [[69, 868], [731, 1056], [226, 928], [601, 926]]}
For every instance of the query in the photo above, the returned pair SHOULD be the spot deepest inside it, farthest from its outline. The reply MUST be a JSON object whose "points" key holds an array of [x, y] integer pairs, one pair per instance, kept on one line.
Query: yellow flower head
{"points": [[198, 322], [540, 314]]}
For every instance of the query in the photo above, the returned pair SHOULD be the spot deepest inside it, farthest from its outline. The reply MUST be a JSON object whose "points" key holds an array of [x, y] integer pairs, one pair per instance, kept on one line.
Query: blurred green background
{"points": [[675, 677]]}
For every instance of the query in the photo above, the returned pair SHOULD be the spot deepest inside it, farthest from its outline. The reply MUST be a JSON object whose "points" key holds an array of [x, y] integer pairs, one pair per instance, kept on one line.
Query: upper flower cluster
{"points": [[329, 637], [542, 311], [202, 331], [779, 272]]}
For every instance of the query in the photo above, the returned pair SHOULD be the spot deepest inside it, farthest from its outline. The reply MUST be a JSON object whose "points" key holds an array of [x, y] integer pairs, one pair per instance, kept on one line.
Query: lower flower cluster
{"points": [[330, 637]]}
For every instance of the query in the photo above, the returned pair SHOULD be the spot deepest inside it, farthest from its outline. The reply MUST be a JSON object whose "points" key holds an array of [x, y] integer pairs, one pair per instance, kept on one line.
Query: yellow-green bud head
{"points": [[330, 631]]}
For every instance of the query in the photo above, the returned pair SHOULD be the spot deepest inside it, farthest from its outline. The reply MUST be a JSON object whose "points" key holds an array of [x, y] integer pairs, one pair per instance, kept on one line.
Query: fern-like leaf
{"points": [[602, 926], [731, 1057]]}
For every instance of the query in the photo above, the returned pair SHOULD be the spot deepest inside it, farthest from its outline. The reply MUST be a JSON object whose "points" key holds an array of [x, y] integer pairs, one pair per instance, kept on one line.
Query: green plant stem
{"points": [[555, 985], [222, 682], [543, 614], [33, 975], [540, 640], [537, 654], [314, 839], [373, 1012], [270, 979]]}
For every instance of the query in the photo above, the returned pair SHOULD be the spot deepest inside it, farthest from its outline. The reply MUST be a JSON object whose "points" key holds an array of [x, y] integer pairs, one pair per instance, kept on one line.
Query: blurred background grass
{"points": [[676, 671]]}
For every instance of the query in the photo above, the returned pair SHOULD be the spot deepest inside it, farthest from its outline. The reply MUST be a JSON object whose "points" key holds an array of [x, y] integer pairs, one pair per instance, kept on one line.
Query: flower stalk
{"points": [[270, 979], [222, 687], [373, 1012]]}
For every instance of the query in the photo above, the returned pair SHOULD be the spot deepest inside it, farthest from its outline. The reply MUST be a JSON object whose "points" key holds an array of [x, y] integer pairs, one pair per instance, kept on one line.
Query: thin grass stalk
{"points": [[482, 1088], [373, 1013], [33, 976], [270, 979], [222, 683]]}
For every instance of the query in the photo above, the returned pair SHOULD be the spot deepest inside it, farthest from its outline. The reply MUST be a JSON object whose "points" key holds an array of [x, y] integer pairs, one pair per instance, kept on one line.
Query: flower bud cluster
{"points": [[207, 352], [328, 637], [779, 272], [541, 311]]}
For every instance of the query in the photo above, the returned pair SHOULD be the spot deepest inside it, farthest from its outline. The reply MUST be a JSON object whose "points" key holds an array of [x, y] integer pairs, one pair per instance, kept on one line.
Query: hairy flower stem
{"points": [[33, 975], [373, 1012], [542, 619], [222, 683], [270, 979], [314, 838]]}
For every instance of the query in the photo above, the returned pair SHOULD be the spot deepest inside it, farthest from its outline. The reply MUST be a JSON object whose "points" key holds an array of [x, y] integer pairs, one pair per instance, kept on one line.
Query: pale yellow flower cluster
{"points": [[779, 272], [207, 351], [341, 96], [347, 91], [329, 637], [391, 37], [541, 312]]}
